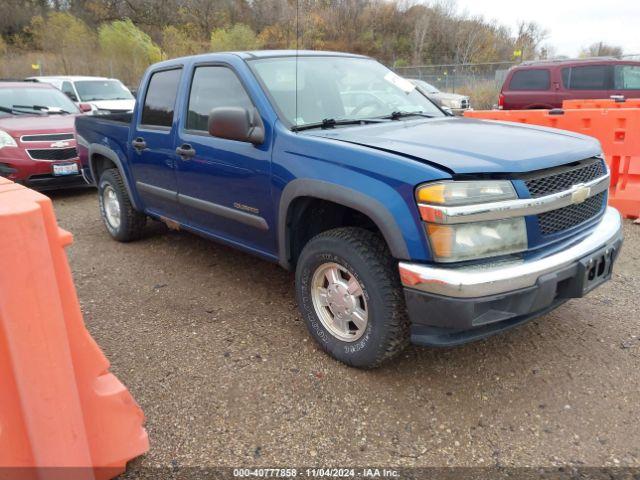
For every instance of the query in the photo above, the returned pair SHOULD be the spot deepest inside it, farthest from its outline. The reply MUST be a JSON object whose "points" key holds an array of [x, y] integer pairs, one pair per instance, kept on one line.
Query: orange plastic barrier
{"points": [[618, 130], [62, 414], [602, 103]]}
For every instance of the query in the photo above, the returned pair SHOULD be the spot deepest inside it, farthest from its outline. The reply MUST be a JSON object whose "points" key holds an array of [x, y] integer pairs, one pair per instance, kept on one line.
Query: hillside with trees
{"points": [[122, 37]]}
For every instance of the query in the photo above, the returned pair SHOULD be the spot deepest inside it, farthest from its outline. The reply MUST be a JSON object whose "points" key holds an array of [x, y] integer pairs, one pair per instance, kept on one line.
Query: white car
{"points": [[456, 103], [104, 95]]}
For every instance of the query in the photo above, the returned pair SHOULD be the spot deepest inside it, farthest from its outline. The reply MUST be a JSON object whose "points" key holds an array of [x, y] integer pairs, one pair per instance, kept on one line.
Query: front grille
{"points": [[571, 216], [565, 179], [47, 137], [464, 103], [53, 153]]}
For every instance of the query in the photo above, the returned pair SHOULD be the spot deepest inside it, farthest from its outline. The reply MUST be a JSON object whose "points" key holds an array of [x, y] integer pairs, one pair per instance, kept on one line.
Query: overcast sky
{"points": [[572, 24]]}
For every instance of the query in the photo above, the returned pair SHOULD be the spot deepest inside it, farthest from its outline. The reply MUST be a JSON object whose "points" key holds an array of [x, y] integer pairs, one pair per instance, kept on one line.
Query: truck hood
{"points": [[114, 104], [18, 125], [465, 145]]}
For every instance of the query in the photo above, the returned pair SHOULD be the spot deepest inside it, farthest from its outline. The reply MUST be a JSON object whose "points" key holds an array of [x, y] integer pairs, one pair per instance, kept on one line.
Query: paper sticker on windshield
{"points": [[402, 83]]}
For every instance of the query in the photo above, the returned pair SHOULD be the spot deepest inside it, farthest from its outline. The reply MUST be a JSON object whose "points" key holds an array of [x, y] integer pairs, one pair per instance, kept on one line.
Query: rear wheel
{"points": [[349, 293], [122, 221]]}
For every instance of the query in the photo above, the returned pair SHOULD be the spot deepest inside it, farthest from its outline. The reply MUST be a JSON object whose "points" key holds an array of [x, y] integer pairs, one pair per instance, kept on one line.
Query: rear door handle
{"points": [[139, 143], [185, 151]]}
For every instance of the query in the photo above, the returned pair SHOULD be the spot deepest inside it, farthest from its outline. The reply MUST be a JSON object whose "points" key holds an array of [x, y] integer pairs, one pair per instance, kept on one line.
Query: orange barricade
{"points": [[62, 414], [602, 103], [618, 130]]}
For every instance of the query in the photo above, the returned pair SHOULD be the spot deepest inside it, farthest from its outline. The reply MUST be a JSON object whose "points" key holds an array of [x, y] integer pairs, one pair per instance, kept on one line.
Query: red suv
{"points": [[37, 136], [546, 84]]}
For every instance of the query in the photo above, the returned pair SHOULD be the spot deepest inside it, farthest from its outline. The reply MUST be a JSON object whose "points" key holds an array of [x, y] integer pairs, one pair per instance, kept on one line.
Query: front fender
{"points": [[387, 210]]}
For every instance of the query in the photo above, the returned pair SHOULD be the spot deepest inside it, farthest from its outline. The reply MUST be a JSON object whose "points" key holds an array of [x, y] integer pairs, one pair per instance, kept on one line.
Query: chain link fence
{"points": [[455, 77], [480, 81]]}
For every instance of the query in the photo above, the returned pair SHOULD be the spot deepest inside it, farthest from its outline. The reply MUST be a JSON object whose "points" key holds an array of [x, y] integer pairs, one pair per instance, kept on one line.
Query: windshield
{"points": [[91, 90], [37, 100], [338, 88]]}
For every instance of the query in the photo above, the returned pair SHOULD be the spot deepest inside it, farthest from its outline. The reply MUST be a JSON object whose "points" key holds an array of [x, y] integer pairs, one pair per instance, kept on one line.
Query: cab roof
{"points": [[257, 54], [292, 53], [23, 84], [71, 78], [564, 62]]}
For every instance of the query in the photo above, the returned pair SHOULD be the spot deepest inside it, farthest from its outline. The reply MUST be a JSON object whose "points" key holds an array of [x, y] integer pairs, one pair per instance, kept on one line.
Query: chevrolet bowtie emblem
{"points": [[580, 195], [59, 144]]}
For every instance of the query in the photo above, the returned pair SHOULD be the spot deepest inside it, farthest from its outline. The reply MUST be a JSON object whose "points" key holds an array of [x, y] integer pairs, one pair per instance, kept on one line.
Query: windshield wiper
{"points": [[41, 108], [8, 110], [14, 111], [332, 122], [58, 112], [398, 115]]}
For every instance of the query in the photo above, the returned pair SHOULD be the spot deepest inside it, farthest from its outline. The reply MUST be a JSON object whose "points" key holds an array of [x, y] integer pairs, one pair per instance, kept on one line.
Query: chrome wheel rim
{"points": [[339, 302], [111, 207]]}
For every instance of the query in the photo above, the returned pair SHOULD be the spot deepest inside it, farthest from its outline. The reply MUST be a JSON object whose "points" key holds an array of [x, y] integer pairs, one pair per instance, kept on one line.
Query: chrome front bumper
{"points": [[470, 282]]}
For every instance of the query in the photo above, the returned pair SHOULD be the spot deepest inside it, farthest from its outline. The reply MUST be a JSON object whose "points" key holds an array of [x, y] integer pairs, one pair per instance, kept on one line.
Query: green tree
{"points": [[127, 50], [67, 36], [177, 42], [3, 46], [237, 37]]}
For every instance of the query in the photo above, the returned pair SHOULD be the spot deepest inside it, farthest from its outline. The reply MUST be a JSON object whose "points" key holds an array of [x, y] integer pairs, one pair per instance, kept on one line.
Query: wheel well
{"points": [[99, 164], [309, 216]]}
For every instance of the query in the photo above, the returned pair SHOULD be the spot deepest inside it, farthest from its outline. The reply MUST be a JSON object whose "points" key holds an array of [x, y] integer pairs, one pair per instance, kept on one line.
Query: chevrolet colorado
{"points": [[401, 222]]}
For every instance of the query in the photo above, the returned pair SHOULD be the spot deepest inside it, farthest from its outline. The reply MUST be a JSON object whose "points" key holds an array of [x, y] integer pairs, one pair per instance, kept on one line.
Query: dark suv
{"points": [[546, 84]]}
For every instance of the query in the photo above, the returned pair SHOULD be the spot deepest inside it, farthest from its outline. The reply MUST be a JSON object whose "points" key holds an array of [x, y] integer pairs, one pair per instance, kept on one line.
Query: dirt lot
{"points": [[210, 343]]}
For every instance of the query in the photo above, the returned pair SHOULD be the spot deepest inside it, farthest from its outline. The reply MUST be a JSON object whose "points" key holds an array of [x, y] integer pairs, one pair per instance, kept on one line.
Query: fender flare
{"points": [[365, 204], [97, 149]]}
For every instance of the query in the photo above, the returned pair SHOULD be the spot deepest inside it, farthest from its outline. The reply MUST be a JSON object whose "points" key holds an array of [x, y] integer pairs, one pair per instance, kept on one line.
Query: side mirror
{"points": [[85, 107], [72, 96], [236, 123]]}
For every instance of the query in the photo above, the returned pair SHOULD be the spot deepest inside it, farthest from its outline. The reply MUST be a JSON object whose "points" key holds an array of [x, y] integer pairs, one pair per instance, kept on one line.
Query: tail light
{"points": [[501, 101]]}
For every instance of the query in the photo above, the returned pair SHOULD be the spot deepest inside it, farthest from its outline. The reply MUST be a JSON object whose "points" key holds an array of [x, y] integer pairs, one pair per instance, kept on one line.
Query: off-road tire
{"points": [[132, 222], [367, 256]]}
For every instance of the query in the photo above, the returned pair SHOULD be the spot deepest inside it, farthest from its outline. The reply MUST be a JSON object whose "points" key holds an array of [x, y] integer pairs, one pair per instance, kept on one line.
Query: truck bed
{"points": [[111, 131]]}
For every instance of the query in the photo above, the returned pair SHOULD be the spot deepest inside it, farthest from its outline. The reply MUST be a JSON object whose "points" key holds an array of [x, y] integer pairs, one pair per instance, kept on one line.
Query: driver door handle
{"points": [[139, 144], [185, 151]]}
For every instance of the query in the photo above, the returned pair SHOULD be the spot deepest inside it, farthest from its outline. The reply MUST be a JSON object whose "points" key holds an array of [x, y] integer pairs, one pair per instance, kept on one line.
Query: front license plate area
{"points": [[60, 169], [596, 268]]}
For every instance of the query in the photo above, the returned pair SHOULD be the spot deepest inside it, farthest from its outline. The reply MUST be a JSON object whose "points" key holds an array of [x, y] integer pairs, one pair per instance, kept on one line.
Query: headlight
{"points": [[6, 140], [466, 193], [466, 241]]}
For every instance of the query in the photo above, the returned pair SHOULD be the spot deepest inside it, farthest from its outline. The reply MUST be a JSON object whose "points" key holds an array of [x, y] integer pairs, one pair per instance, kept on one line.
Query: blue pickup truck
{"points": [[402, 223]]}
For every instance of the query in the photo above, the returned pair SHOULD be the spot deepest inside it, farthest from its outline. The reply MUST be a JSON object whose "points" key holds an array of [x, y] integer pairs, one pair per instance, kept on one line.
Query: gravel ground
{"points": [[210, 343]]}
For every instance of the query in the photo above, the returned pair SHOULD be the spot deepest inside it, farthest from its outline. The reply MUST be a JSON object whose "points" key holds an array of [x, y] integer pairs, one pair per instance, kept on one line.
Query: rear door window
{"points": [[626, 77], [588, 77], [538, 79], [160, 100]]}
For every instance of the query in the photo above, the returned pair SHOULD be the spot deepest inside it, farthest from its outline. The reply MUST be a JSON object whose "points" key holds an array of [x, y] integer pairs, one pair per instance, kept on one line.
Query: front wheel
{"points": [[123, 222], [349, 293]]}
